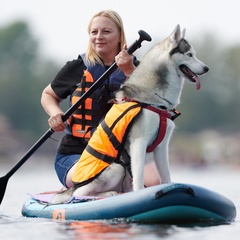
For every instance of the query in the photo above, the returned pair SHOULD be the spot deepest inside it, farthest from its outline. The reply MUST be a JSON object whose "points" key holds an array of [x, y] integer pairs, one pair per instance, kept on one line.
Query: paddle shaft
{"points": [[3, 180]]}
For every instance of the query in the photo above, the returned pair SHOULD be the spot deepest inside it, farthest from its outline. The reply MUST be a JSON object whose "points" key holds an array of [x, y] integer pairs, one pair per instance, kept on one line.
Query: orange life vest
{"points": [[90, 113], [81, 120], [106, 144]]}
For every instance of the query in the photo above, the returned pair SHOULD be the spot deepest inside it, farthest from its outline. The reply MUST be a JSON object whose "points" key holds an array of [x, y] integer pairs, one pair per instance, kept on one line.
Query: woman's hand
{"points": [[125, 61], [55, 122]]}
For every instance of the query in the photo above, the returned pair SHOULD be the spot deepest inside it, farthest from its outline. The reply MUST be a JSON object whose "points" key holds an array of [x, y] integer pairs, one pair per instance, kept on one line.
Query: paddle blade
{"points": [[3, 185]]}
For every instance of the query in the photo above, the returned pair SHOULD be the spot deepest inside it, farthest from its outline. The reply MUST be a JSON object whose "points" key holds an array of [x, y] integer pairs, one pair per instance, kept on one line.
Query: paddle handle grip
{"points": [[143, 36]]}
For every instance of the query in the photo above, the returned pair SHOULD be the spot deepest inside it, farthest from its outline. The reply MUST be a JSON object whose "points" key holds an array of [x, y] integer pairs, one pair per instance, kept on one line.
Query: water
{"points": [[34, 178]]}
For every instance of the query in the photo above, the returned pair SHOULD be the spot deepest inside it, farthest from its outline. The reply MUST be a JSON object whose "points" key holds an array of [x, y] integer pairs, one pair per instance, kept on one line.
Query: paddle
{"points": [[4, 180]]}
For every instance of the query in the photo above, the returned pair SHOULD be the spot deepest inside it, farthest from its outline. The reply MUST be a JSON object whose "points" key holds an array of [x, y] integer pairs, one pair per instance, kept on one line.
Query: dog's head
{"points": [[160, 76], [184, 57]]}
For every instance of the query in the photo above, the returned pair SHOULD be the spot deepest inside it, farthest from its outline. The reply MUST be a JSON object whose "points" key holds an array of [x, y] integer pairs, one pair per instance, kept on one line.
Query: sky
{"points": [[61, 25]]}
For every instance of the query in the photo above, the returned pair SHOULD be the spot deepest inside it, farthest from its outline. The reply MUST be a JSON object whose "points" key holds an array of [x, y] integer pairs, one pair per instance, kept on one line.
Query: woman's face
{"points": [[105, 38]]}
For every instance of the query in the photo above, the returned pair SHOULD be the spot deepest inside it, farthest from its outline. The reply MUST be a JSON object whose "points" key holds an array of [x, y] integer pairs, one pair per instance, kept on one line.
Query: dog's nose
{"points": [[206, 69]]}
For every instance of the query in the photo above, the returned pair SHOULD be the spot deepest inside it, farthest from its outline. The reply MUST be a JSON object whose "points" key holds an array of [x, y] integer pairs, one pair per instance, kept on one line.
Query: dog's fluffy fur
{"points": [[158, 81]]}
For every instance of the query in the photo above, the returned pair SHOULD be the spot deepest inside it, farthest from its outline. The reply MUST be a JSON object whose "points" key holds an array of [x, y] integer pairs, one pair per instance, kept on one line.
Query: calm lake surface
{"points": [[32, 178]]}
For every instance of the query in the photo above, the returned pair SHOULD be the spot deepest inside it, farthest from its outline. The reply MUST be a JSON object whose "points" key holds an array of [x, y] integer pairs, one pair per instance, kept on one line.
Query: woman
{"points": [[107, 44]]}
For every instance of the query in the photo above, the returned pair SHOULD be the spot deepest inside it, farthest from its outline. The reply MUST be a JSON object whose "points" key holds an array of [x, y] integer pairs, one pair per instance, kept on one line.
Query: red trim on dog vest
{"points": [[163, 114]]}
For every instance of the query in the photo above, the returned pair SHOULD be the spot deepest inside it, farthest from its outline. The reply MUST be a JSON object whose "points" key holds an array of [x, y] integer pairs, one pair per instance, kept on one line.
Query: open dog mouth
{"points": [[193, 77]]}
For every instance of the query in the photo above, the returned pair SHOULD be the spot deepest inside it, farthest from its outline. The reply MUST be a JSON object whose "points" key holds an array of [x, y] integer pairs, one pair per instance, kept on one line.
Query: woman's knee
{"points": [[69, 182]]}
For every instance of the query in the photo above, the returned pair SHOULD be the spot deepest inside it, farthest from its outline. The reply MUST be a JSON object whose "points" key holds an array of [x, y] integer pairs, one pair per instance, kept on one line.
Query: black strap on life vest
{"points": [[99, 155]]}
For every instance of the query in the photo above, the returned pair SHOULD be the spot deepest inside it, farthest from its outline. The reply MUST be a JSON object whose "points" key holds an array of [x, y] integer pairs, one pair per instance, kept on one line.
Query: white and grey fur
{"points": [[158, 81]]}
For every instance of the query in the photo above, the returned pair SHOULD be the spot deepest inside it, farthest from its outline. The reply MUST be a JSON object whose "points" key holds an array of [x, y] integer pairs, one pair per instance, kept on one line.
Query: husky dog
{"points": [[158, 81]]}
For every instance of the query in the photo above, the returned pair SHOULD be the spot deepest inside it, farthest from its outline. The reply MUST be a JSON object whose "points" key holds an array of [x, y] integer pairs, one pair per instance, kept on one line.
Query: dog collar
{"points": [[164, 99]]}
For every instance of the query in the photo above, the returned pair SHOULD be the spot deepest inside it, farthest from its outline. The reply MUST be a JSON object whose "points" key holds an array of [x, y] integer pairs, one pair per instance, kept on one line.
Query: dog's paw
{"points": [[62, 197]]}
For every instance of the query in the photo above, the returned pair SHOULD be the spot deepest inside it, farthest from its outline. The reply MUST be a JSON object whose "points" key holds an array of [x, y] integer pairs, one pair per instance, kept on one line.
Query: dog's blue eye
{"points": [[190, 54]]}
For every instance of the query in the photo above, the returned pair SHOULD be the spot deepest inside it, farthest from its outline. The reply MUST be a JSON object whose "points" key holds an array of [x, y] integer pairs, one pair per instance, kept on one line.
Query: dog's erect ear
{"points": [[176, 34], [184, 33]]}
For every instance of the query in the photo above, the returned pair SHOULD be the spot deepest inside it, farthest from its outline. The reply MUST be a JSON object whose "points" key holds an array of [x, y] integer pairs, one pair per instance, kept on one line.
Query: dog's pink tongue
{"points": [[198, 84]]}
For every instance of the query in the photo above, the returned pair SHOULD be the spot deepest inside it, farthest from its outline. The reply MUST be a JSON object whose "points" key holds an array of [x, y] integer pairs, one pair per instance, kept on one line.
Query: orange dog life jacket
{"points": [[105, 145]]}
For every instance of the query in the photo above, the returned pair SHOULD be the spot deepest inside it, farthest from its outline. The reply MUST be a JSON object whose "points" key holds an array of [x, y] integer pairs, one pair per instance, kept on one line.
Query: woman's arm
{"points": [[50, 102]]}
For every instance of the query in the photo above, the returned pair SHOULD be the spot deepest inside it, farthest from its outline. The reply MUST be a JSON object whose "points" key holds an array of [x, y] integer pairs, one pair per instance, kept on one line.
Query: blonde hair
{"points": [[91, 55]]}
